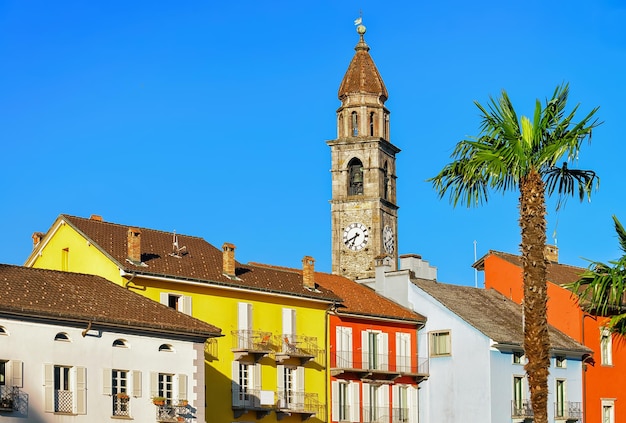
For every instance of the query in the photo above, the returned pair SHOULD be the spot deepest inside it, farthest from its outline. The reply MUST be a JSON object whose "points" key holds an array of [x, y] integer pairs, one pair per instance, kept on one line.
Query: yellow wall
{"points": [[218, 307]]}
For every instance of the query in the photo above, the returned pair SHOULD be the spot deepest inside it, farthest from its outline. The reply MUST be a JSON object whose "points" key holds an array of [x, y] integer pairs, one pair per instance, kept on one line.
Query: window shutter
{"points": [[182, 387], [107, 379], [366, 395], [395, 391], [300, 380], [48, 384], [186, 304], [413, 401], [16, 373], [355, 408], [334, 400], [81, 390], [256, 383], [137, 383], [289, 322], [383, 398], [154, 384], [383, 351], [163, 298], [280, 385], [365, 350], [235, 384]]}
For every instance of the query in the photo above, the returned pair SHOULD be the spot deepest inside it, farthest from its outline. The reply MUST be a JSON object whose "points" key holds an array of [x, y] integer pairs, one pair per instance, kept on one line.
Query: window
{"points": [[385, 182], [10, 375], [166, 348], [62, 336], [400, 403], [608, 411], [65, 389], [560, 361], [560, 398], [518, 396], [375, 351], [372, 124], [247, 384], [355, 175], [375, 402], [167, 385], [119, 385], [3, 331], [355, 124], [343, 347], [403, 352], [178, 302], [440, 343], [290, 387], [3, 373], [345, 401], [606, 347], [518, 357], [65, 259]]}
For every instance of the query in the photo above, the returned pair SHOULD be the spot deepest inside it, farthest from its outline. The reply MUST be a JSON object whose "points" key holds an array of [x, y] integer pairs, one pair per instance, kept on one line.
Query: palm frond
{"points": [[621, 233]]}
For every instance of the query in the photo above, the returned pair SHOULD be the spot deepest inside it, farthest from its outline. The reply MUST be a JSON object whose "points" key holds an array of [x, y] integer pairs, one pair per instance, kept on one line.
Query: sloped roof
{"points": [[362, 75], [79, 298], [359, 299], [491, 313], [558, 274], [200, 262]]}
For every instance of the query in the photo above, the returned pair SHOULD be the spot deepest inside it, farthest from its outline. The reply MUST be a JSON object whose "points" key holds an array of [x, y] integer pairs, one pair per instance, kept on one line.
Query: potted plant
{"points": [[183, 402], [123, 396], [158, 400]]}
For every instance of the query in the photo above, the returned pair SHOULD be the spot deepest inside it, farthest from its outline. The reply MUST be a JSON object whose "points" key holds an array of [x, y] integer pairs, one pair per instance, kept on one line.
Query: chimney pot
{"points": [[308, 272], [37, 237], [228, 258], [134, 245]]}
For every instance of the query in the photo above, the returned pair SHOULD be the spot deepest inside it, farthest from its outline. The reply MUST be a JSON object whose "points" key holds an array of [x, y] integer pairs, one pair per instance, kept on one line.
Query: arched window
{"points": [[62, 336], [166, 348], [120, 343], [371, 124], [386, 127], [355, 124], [385, 182], [3, 331], [355, 173]]}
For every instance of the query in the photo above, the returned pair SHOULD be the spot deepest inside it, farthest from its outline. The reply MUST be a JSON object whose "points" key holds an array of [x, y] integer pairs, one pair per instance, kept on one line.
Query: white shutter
{"points": [[154, 384], [343, 347], [355, 409], [365, 350], [334, 400], [383, 397], [383, 351], [280, 385], [15, 373], [403, 352], [81, 390], [245, 316], [107, 379], [185, 303], [366, 396], [235, 384], [48, 388], [164, 298], [256, 382], [300, 380], [413, 401], [395, 397], [289, 322], [137, 383], [182, 387]]}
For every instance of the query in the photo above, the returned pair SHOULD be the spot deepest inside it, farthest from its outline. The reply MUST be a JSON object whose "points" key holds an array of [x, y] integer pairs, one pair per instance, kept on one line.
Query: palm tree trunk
{"points": [[536, 339]]}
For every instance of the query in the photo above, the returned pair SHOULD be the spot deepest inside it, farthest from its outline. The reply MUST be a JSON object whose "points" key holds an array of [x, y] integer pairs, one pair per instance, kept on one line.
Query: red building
{"points": [[603, 373]]}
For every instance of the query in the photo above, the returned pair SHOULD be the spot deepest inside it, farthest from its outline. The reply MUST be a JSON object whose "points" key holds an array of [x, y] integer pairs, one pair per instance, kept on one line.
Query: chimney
{"points": [[134, 245], [228, 258], [96, 217], [37, 237], [308, 272], [552, 253]]}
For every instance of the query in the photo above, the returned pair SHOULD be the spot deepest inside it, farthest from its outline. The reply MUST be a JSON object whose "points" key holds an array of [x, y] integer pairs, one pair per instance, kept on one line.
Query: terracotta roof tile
{"points": [[558, 274], [362, 75], [75, 297], [199, 262]]}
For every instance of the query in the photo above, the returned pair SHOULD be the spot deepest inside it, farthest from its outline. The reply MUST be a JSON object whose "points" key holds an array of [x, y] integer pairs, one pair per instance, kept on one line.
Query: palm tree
{"points": [[602, 287], [508, 154]]}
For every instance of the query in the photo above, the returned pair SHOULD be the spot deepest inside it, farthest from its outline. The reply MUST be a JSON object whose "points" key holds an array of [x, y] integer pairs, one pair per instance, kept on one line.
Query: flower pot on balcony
{"points": [[158, 401]]}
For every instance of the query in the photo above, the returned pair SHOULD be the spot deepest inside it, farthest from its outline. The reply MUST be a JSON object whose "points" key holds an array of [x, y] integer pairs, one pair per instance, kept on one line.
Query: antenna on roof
{"points": [[176, 249]]}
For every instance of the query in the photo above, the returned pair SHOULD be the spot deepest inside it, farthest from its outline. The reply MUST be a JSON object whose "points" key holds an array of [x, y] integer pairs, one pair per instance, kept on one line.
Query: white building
{"points": [[474, 338], [79, 348]]}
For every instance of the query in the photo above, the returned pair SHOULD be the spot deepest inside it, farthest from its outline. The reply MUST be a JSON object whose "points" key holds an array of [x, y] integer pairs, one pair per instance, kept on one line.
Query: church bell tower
{"points": [[363, 206]]}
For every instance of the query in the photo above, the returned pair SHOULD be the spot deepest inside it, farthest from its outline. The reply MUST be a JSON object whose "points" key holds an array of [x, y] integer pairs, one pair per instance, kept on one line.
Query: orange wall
{"points": [[601, 381]]}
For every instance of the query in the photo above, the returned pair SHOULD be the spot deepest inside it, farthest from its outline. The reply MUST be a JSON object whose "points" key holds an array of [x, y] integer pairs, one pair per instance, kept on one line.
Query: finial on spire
{"points": [[360, 29]]}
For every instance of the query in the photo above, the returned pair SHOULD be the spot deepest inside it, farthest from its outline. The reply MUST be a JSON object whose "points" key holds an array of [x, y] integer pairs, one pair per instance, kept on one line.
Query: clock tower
{"points": [[363, 206]]}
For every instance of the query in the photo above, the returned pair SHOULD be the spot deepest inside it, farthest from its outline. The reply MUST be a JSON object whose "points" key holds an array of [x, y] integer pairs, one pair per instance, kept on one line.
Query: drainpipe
{"points": [[582, 340]]}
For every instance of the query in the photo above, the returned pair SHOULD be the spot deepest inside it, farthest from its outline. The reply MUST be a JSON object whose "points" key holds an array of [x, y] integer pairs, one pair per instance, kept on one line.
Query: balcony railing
{"points": [[121, 406], [173, 413], [9, 396], [568, 410], [521, 409], [300, 402], [400, 415], [63, 401], [252, 342], [299, 346], [372, 414], [409, 365]]}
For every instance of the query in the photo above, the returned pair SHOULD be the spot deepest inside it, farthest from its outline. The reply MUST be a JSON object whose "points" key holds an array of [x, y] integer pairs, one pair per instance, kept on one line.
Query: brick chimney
{"points": [[552, 253], [228, 258], [37, 237], [96, 217], [308, 272], [134, 245]]}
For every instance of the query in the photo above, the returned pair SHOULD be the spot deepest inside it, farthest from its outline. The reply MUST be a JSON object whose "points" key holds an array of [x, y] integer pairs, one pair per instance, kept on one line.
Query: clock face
{"points": [[389, 240], [355, 236]]}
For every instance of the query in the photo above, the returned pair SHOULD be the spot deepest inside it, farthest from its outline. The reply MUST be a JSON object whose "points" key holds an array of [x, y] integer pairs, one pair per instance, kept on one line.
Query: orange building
{"points": [[603, 372]]}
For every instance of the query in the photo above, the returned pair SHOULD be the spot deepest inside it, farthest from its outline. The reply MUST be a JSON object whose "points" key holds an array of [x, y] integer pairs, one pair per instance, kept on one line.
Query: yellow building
{"points": [[270, 364]]}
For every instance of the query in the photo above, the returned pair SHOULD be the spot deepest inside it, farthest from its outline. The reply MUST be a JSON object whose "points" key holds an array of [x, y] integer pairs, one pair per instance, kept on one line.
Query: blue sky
{"points": [[211, 118]]}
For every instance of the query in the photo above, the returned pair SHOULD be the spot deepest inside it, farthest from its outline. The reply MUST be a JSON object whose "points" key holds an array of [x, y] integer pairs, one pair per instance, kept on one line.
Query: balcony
{"points": [[302, 403], [521, 410], [378, 367], [252, 343], [302, 348], [245, 400], [372, 414], [399, 414], [9, 396], [568, 411], [174, 413]]}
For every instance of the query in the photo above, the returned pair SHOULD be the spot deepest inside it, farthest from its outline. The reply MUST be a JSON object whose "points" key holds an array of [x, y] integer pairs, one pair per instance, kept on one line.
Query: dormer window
{"points": [[355, 124], [355, 173]]}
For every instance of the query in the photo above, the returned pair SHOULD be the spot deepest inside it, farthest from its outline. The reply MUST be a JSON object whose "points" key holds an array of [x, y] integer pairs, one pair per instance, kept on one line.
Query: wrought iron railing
{"points": [[299, 402], [374, 414], [521, 409], [121, 406], [400, 414], [403, 364], [9, 396], [252, 340], [173, 413], [63, 401], [568, 410], [246, 398]]}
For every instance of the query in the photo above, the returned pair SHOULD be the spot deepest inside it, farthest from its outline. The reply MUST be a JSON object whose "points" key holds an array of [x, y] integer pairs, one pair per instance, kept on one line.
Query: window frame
{"points": [[606, 347], [432, 345]]}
